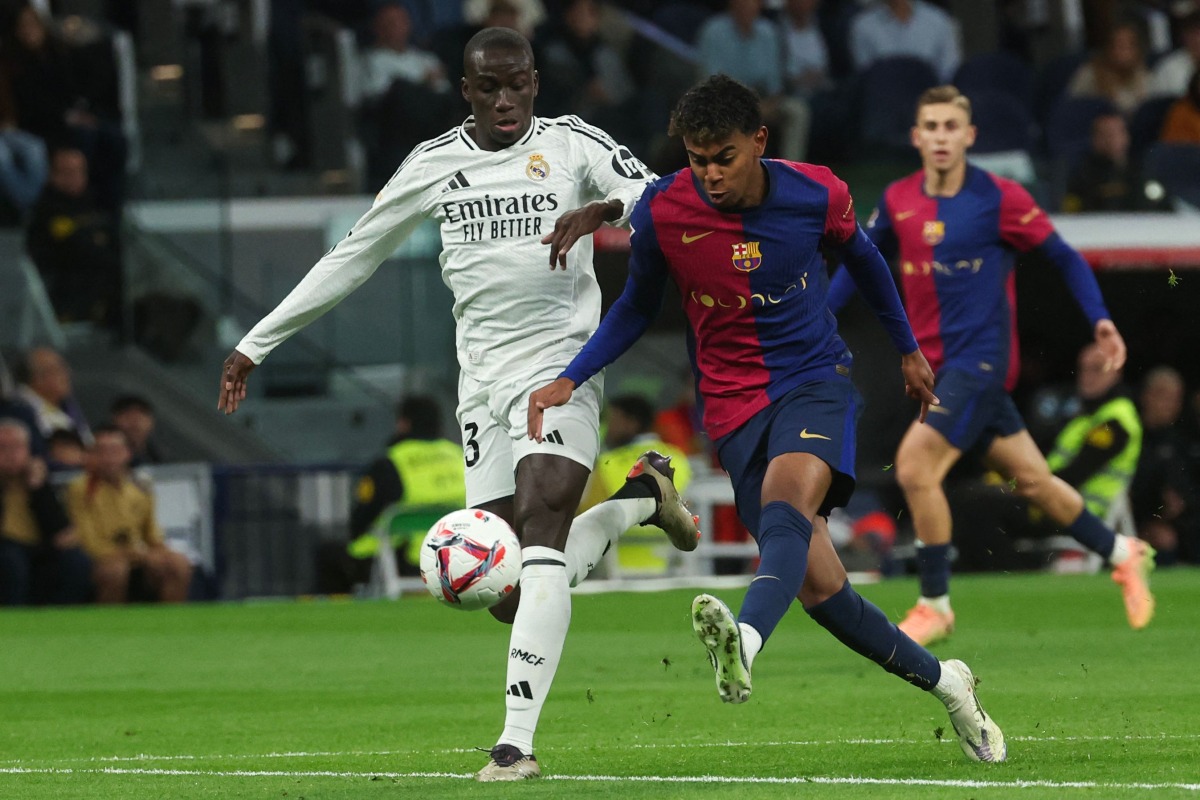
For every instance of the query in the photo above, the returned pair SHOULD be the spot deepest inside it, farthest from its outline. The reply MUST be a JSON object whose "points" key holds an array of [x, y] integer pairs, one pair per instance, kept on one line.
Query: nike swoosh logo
{"points": [[939, 410], [804, 434], [689, 239], [903, 215]]}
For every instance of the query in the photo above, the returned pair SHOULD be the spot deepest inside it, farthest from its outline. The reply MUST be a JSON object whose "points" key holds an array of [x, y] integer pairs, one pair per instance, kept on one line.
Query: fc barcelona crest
{"points": [[933, 232], [746, 256]]}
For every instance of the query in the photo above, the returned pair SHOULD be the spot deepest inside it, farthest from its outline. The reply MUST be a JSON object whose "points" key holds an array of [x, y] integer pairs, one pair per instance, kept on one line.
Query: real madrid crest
{"points": [[934, 231], [538, 169]]}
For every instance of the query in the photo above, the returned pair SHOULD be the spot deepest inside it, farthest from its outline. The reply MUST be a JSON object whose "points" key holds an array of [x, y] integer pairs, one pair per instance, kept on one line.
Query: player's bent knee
{"points": [[915, 477], [1034, 485]]}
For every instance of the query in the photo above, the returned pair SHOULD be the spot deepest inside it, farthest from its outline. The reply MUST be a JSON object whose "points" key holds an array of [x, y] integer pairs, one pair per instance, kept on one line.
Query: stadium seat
{"points": [[1147, 123], [1069, 126], [1177, 167], [1003, 121], [1052, 81], [399, 525], [682, 20], [888, 93], [996, 72]]}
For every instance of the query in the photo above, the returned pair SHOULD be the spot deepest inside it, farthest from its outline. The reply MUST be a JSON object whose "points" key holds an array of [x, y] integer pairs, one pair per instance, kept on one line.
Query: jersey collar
{"points": [[464, 133]]}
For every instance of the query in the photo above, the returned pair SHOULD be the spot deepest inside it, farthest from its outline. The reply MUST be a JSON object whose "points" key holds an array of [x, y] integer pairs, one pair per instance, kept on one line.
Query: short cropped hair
{"points": [[65, 436], [715, 109], [131, 402], [498, 38], [944, 94]]}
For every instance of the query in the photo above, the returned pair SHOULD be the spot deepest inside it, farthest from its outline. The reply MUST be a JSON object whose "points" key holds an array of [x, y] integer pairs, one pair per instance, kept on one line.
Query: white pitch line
{"points": [[830, 780], [145, 757]]}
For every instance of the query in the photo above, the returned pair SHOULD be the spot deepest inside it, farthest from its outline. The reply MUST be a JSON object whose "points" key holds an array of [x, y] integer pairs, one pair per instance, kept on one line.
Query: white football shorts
{"points": [[493, 421]]}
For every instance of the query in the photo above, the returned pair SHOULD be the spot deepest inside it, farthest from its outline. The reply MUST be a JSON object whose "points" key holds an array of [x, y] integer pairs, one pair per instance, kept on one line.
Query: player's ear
{"points": [[465, 90], [760, 141], [971, 129], [914, 135], [536, 80]]}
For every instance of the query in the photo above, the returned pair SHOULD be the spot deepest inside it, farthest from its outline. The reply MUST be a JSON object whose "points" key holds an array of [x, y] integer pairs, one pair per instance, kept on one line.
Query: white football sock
{"points": [[950, 687], [751, 642], [535, 644], [938, 604], [600, 526], [1122, 550]]}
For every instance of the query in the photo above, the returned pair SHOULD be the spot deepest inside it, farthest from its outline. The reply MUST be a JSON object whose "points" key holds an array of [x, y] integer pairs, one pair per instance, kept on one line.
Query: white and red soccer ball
{"points": [[470, 559]]}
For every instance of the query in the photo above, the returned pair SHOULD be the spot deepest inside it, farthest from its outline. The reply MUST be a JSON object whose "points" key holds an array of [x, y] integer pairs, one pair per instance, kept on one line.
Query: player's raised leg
{"points": [[1018, 457], [922, 462], [649, 497]]}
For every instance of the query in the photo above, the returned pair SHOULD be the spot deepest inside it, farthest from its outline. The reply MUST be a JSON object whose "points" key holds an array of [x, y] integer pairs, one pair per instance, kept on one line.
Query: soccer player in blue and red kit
{"points": [[742, 236], [958, 229]]}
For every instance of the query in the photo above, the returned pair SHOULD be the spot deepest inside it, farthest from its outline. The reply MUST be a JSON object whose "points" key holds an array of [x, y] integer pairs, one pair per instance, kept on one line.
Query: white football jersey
{"points": [[493, 207]]}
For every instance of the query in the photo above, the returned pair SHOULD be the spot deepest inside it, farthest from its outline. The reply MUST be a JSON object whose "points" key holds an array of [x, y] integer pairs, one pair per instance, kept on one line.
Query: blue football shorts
{"points": [[818, 417], [975, 408]]}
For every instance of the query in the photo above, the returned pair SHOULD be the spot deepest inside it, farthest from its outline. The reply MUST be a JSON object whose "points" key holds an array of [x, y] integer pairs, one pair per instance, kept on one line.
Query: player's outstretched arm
{"points": [[557, 393], [1111, 343], [577, 223], [918, 381], [234, 373]]}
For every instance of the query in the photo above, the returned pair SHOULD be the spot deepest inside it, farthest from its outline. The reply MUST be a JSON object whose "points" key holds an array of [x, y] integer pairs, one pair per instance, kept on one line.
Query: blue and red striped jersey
{"points": [[753, 285], [956, 258]]}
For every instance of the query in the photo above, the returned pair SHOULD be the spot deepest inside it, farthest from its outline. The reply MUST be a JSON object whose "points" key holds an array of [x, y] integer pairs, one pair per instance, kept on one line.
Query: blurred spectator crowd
{"points": [[77, 523], [1102, 128], [1106, 121], [1097, 114]]}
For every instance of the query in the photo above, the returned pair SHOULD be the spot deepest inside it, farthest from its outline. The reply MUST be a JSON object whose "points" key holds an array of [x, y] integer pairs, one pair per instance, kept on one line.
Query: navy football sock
{"points": [[1093, 534], [783, 537], [933, 565], [863, 628]]}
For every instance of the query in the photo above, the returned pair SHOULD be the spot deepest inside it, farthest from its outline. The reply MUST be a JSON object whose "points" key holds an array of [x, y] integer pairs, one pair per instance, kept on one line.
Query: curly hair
{"points": [[714, 109]]}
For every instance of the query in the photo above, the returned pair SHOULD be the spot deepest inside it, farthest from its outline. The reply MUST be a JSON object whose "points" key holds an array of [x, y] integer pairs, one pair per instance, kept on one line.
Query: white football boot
{"points": [[978, 735]]}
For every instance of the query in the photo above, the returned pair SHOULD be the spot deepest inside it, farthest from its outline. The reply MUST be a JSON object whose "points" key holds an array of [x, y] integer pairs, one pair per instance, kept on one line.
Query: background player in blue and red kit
{"points": [[958, 229], [742, 236]]}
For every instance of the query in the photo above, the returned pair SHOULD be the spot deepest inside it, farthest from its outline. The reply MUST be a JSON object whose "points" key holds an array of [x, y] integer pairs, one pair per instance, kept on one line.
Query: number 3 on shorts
{"points": [[470, 446]]}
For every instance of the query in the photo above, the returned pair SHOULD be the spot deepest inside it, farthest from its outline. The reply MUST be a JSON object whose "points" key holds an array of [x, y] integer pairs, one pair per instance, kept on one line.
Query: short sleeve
{"points": [[840, 222]]}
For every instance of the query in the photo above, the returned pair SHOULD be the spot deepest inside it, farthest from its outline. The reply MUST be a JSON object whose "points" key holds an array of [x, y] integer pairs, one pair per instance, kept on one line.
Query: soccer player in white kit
{"points": [[502, 186]]}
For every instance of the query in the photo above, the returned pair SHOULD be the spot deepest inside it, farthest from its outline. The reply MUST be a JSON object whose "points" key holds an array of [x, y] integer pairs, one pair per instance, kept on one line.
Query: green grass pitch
{"points": [[385, 700]]}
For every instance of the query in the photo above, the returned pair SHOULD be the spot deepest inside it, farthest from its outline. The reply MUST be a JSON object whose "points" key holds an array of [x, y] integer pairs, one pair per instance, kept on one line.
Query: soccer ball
{"points": [[470, 559]]}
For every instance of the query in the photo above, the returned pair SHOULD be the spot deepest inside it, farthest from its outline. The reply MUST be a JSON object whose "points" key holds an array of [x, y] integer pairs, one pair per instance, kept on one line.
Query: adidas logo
{"points": [[459, 181], [554, 437], [521, 689]]}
